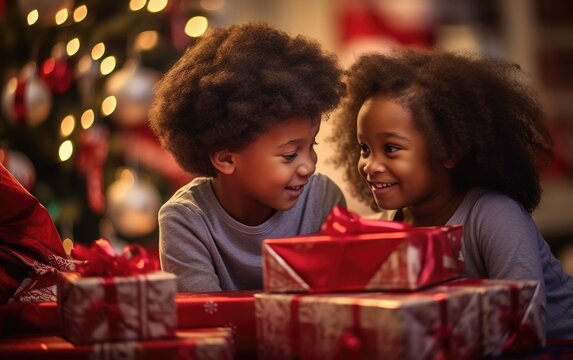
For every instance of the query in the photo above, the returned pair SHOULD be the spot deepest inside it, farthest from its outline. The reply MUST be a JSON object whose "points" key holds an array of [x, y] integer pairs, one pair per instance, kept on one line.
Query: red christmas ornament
{"points": [[58, 74], [26, 99]]}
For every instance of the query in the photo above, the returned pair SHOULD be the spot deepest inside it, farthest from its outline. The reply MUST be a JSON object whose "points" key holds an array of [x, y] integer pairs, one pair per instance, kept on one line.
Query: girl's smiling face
{"points": [[395, 159]]}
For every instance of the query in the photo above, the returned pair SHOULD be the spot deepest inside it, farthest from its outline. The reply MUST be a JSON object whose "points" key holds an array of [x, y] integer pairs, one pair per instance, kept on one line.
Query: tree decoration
{"points": [[132, 87], [26, 98]]}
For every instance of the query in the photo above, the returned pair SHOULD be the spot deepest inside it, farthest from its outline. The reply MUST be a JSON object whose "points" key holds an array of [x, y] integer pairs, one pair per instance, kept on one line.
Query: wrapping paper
{"points": [[383, 255], [100, 309], [199, 344], [31, 251], [232, 309], [511, 314], [428, 325]]}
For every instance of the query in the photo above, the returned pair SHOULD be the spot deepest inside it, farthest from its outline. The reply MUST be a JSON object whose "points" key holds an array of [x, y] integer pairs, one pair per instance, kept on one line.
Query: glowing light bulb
{"points": [[196, 26]]}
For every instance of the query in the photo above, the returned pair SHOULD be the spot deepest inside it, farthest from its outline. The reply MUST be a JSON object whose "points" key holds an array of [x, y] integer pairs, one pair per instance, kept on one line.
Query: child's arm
{"points": [[183, 250], [501, 241]]}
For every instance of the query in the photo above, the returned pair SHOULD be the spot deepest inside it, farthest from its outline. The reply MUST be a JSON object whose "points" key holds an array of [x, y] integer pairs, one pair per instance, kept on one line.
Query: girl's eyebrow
{"points": [[391, 134]]}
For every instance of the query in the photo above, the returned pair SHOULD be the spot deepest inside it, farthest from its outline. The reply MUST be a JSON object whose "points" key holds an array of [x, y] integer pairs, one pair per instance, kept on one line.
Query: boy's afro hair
{"points": [[234, 84]]}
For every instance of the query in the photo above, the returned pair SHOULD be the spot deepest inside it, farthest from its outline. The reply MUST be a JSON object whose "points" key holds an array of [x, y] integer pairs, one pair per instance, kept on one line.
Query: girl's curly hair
{"points": [[234, 84], [478, 112]]}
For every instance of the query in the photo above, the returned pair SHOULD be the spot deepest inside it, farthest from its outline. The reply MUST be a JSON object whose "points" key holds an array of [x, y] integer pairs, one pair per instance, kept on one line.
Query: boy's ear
{"points": [[223, 161]]}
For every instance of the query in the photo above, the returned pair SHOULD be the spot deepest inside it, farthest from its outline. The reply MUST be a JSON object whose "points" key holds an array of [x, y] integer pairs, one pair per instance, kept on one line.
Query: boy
{"points": [[241, 109]]}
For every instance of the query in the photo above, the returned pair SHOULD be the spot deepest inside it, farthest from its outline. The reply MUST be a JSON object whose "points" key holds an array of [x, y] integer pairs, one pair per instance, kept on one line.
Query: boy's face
{"points": [[271, 172], [395, 159]]}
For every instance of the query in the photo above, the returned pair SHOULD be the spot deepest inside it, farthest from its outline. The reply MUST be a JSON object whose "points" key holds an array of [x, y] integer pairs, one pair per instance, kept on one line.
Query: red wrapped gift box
{"points": [[511, 314], [198, 344], [100, 309], [423, 325], [29, 318], [382, 255], [232, 309]]}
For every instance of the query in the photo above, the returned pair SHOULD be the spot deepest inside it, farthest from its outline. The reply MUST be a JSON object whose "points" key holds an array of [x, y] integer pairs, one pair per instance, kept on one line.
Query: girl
{"points": [[449, 139]]}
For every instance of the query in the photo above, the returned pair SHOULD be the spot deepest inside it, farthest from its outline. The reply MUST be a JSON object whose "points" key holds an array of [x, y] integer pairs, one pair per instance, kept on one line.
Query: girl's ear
{"points": [[223, 161]]}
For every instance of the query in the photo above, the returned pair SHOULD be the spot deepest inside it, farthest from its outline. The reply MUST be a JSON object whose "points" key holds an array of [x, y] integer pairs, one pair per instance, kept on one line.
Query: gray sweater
{"points": [[210, 251], [501, 241]]}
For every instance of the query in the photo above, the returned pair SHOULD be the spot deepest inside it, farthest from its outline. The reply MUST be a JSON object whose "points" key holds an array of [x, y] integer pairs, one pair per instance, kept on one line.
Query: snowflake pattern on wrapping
{"points": [[210, 307]]}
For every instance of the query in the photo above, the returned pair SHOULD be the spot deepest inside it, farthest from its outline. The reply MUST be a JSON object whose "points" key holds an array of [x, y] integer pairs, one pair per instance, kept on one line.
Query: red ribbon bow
{"points": [[341, 221], [103, 261]]}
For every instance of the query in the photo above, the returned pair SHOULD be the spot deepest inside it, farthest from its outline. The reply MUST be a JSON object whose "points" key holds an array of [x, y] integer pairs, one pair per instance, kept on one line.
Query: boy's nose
{"points": [[308, 167]]}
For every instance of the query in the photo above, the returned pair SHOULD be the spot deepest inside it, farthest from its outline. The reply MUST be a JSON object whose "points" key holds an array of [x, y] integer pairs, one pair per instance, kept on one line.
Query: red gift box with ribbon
{"points": [[511, 314], [421, 325], [356, 254], [197, 344], [116, 297], [232, 309]]}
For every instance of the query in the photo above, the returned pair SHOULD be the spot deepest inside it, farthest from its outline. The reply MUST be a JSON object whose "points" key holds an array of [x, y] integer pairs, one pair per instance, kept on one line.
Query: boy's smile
{"points": [[270, 173]]}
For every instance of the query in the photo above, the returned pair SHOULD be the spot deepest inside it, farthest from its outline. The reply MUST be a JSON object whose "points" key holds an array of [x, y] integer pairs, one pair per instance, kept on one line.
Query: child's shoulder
{"points": [[189, 195], [495, 206]]}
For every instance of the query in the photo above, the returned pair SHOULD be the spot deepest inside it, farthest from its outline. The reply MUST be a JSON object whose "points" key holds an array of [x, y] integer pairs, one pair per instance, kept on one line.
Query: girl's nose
{"points": [[370, 166]]}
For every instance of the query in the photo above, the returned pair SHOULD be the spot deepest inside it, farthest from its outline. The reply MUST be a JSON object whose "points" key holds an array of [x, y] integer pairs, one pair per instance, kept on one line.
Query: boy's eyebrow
{"points": [[292, 142]]}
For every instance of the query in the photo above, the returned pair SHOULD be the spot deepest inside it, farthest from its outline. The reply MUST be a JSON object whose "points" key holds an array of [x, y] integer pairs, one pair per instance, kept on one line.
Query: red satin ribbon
{"points": [[341, 221], [103, 261], [523, 337], [93, 149]]}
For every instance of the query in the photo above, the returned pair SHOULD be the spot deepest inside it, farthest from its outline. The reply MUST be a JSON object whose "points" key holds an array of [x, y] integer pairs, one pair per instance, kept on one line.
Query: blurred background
{"points": [[77, 78]]}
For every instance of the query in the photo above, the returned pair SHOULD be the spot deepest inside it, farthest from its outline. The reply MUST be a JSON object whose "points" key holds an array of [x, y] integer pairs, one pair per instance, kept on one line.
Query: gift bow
{"points": [[341, 221], [103, 261]]}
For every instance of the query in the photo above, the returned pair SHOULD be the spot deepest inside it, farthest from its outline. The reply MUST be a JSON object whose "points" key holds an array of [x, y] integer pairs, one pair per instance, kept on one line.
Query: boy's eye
{"points": [[364, 150], [290, 157]]}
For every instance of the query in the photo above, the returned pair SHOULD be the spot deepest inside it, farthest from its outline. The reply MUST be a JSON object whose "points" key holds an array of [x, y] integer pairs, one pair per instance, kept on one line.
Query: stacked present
{"points": [[119, 306], [374, 289]]}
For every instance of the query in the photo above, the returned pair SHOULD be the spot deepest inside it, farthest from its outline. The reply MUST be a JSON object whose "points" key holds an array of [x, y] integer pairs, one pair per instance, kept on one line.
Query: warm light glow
{"points": [[61, 16], [73, 46], [87, 119], [11, 85], [68, 245], [33, 17], [66, 150], [135, 5], [212, 5], [84, 64], [146, 40], [67, 126], [98, 50], [196, 26], [127, 176], [107, 65], [108, 105], [80, 13], [155, 6]]}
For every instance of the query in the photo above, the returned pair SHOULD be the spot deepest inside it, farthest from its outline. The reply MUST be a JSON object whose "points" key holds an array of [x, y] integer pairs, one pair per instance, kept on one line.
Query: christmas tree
{"points": [[77, 79]]}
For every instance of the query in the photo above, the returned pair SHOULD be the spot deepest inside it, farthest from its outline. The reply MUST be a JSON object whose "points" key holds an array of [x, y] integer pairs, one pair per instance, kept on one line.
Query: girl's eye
{"points": [[390, 148], [364, 150], [290, 157]]}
